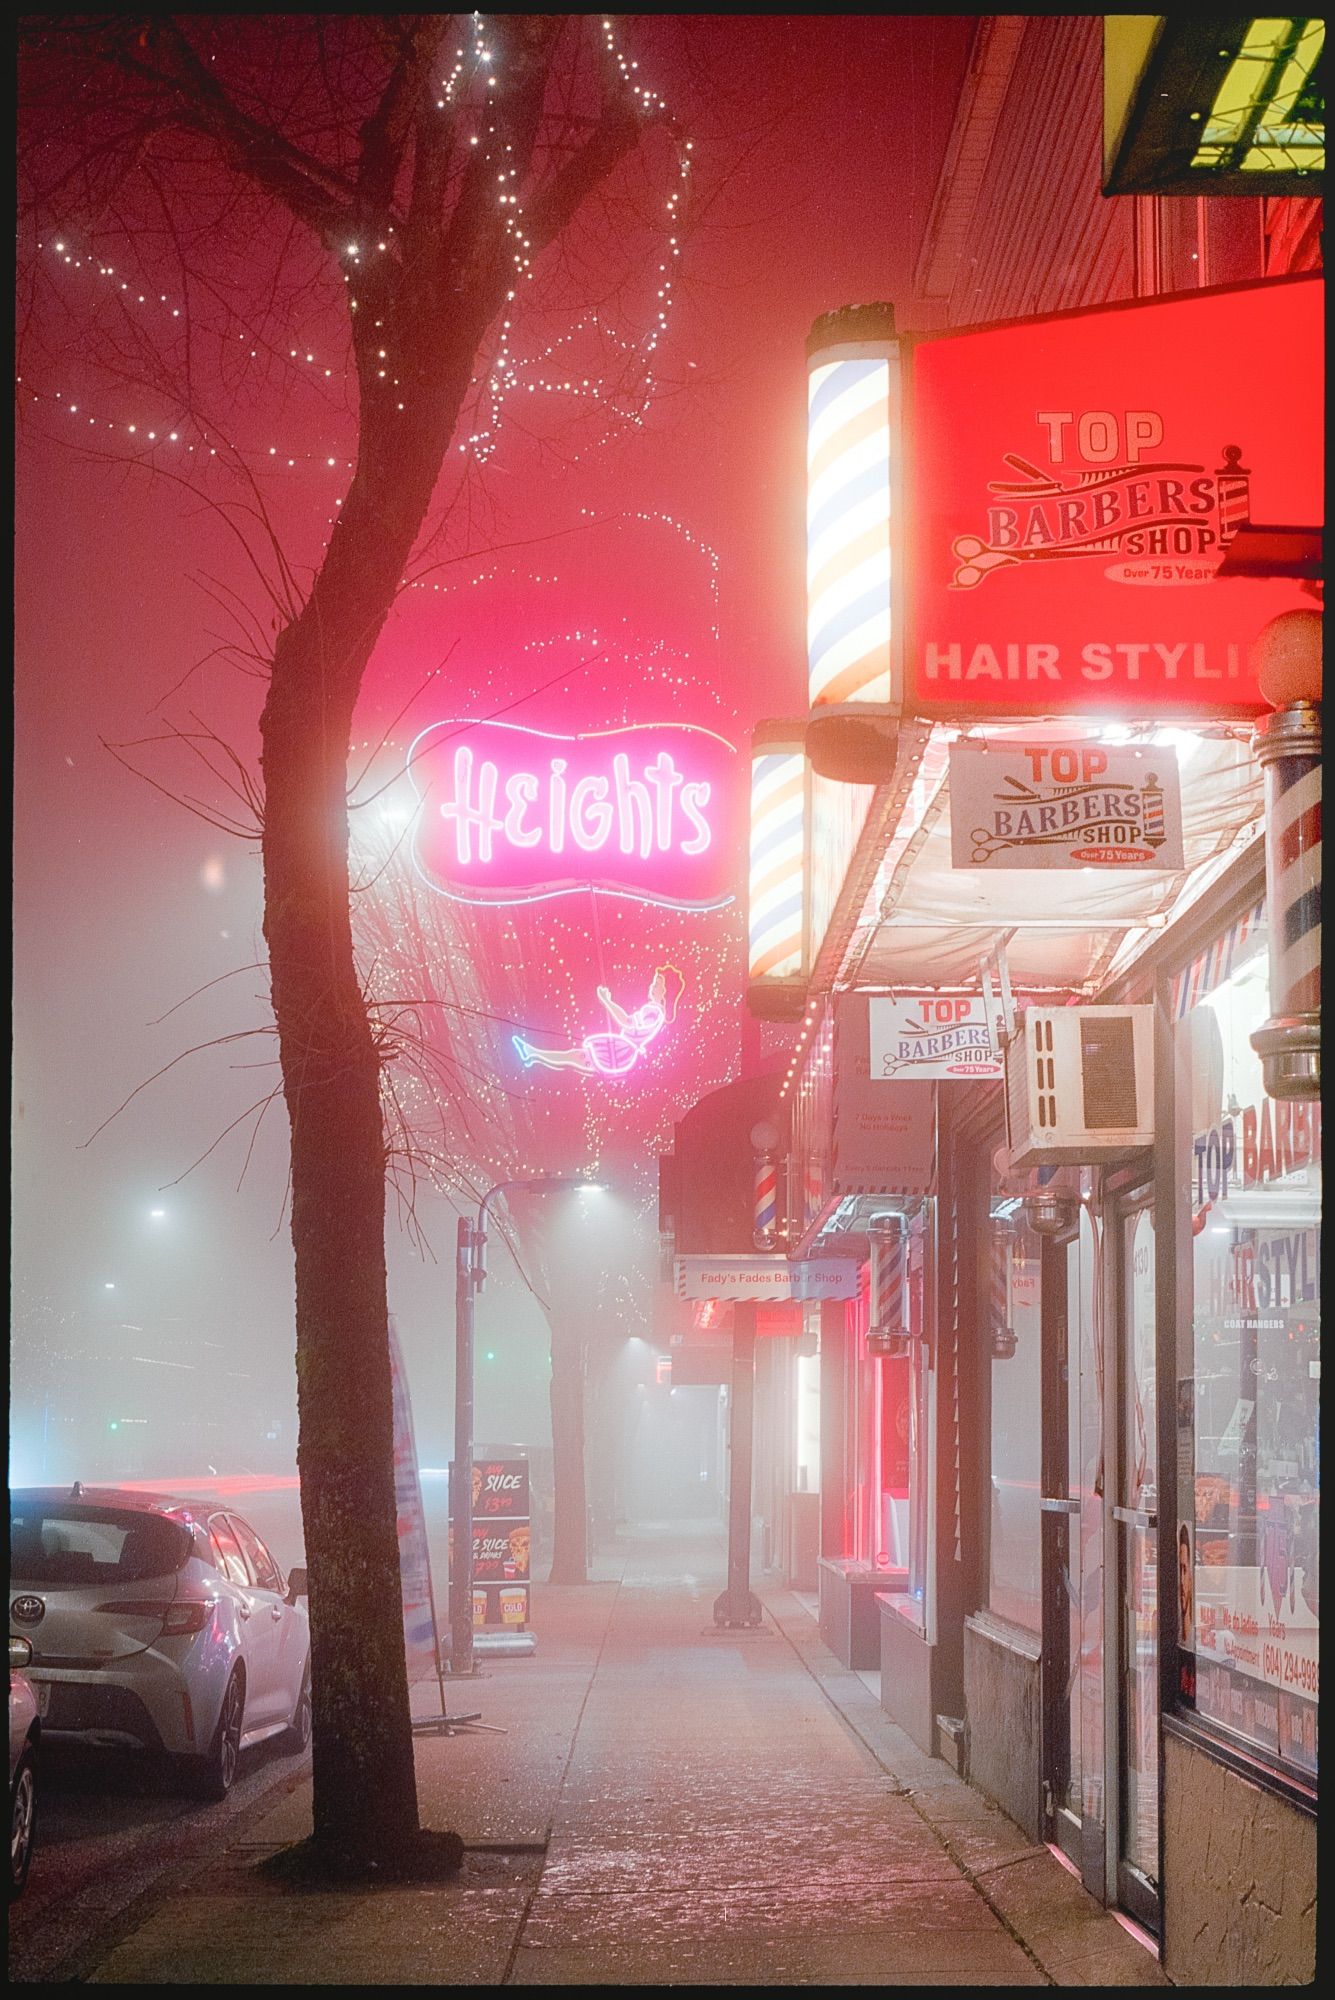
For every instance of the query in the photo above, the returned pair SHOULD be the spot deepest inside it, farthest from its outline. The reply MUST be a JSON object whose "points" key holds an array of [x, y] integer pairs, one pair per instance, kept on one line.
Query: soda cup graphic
{"points": [[514, 1605], [479, 1608]]}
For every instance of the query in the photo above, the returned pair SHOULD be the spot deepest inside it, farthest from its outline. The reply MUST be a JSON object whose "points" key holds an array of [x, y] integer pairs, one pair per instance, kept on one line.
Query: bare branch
{"points": [[385, 134], [320, 197]]}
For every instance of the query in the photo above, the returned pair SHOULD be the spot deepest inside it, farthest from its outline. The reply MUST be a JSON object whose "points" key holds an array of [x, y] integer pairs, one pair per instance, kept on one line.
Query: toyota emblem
{"points": [[27, 1610]]}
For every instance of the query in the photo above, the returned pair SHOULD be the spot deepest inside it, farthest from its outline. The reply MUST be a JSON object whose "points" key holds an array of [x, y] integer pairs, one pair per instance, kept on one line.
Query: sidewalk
{"points": [[669, 1806]]}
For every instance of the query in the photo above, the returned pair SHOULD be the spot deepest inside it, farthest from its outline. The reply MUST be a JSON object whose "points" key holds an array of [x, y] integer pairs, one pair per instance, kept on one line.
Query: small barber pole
{"points": [[1004, 1342], [1288, 744], [888, 1334], [765, 1224], [766, 1209]]}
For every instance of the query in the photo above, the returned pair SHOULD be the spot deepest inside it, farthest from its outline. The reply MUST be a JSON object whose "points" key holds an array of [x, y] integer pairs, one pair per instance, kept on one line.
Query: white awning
{"points": [[925, 923]]}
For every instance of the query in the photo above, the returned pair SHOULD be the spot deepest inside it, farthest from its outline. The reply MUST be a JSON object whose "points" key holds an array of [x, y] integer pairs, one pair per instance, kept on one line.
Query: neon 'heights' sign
{"points": [[643, 811], [511, 813]]}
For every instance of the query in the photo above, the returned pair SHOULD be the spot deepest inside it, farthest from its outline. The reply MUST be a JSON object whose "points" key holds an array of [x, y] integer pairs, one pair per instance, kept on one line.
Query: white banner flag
{"points": [[419, 1615]]}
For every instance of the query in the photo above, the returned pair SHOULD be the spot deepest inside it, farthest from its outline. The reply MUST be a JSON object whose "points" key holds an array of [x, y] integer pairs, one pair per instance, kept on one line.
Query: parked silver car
{"points": [[158, 1623], [25, 1735]]}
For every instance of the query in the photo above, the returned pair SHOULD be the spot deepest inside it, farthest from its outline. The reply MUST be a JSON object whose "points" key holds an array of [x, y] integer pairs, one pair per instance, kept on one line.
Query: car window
{"points": [[263, 1564], [71, 1544], [230, 1559]]}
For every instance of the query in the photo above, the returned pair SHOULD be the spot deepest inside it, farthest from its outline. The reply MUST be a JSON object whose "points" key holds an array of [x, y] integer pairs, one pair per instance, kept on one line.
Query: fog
{"points": [[602, 573]]}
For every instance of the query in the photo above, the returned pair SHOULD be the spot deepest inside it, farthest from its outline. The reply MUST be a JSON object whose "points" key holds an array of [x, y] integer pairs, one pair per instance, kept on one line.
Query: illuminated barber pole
{"points": [[777, 899], [765, 1143], [1289, 746], [766, 1203], [852, 427], [888, 1333], [1287, 659]]}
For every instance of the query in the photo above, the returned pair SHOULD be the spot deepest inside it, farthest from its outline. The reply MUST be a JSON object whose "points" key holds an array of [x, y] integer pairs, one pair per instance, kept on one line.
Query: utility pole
{"points": [[738, 1604], [468, 1277]]}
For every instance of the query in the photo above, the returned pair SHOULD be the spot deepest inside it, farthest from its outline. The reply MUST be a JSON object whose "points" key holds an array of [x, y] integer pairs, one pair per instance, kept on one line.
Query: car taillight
{"points": [[178, 1620]]}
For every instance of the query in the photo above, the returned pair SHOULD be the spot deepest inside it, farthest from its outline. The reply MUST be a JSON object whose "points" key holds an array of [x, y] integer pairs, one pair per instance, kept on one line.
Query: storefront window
{"points": [[1204, 240], [1014, 1543], [807, 1411], [1249, 1387], [892, 1480], [919, 1408]]}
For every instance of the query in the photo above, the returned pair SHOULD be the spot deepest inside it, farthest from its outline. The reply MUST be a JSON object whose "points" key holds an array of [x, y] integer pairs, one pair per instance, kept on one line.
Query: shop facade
{"points": [[1071, 1513], [1068, 1429], [1069, 1478]]}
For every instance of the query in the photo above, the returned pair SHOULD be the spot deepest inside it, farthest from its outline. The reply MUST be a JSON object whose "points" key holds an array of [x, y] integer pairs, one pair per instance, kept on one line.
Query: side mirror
{"points": [[20, 1653], [296, 1585]]}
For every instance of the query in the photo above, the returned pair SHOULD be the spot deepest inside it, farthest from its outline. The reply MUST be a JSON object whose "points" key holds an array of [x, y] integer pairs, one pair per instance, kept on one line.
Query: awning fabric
{"points": [[927, 924]]}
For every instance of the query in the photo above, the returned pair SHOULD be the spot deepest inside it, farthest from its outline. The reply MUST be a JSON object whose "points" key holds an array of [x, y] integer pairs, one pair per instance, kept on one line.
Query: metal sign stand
{"points": [[446, 1724]]}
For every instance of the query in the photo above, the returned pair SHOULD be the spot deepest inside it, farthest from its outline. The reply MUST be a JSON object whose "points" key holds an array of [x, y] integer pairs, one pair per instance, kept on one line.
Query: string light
{"points": [[482, 964]]}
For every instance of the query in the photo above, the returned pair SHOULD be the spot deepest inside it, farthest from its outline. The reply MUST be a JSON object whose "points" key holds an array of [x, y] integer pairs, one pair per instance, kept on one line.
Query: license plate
{"points": [[42, 1690]]}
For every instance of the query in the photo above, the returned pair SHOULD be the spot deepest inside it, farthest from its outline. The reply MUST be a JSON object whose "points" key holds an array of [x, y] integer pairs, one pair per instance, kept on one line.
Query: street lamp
{"points": [[470, 1276]]}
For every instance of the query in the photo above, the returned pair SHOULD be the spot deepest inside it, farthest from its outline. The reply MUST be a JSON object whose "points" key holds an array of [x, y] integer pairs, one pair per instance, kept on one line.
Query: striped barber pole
{"points": [[1289, 746], [848, 522], [778, 854], [886, 1234], [764, 1234]]}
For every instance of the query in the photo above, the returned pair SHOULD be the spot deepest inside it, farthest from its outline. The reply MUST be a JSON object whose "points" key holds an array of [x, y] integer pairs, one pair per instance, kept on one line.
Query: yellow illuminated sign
{"points": [[1225, 105]]}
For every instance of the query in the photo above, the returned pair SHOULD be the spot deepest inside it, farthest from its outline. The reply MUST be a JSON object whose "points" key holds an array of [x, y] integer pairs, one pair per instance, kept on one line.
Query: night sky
{"points": [[598, 564]]}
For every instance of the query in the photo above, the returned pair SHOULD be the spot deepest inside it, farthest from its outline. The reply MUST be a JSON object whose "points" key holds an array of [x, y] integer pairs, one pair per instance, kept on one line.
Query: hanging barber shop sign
{"points": [[1075, 483], [937, 1037], [1064, 805]]}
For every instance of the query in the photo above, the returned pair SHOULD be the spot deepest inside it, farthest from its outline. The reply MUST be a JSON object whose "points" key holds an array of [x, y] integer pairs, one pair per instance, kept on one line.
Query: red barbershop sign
{"points": [[1076, 482], [510, 814]]}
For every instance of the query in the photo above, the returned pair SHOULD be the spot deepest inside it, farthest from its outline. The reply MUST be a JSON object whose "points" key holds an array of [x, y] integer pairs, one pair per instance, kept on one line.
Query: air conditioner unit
{"points": [[1079, 1085]]}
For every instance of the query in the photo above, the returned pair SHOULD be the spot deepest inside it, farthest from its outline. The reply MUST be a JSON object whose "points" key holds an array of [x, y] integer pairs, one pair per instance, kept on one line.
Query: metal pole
{"points": [[461, 1486], [737, 1605]]}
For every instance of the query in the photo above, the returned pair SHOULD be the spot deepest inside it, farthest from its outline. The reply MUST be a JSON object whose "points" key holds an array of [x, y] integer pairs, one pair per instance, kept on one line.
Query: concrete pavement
{"points": [[668, 1806]]}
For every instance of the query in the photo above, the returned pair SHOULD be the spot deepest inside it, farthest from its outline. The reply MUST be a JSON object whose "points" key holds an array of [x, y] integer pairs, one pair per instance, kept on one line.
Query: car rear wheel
{"points": [[214, 1773], [298, 1732], [22, 1821]]}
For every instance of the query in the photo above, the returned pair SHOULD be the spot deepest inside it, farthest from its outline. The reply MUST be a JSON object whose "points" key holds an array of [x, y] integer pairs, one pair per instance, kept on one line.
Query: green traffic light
{"points": [[491, 1354]]}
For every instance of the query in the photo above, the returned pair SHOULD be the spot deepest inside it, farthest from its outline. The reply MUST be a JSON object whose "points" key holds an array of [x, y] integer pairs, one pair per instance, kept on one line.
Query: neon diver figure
{"points": [[616, 1050]]}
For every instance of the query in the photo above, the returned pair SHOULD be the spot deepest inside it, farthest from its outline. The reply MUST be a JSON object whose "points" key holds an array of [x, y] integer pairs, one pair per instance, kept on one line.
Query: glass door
{"points": [[1136, 1519], [1073, 1529], [1061, 1547]]}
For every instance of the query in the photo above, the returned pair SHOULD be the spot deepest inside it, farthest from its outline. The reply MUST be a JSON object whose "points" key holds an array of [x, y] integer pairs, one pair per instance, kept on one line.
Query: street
{"points": [[112, 1829]]}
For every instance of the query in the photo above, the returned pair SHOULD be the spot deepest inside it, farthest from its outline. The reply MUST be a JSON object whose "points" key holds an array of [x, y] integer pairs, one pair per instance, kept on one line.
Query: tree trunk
{"points": [[365, 1802], [365, 1789], [570, 1527]]}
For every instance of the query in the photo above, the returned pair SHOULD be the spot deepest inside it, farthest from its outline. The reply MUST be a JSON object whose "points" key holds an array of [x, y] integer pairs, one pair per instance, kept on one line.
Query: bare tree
{"points": [[429, 161]]}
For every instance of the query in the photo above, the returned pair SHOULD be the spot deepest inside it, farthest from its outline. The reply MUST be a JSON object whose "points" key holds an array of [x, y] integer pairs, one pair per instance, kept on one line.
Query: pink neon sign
{"points": [[616, 1049], [512, 814]]}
